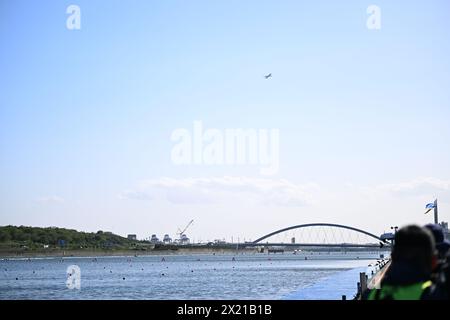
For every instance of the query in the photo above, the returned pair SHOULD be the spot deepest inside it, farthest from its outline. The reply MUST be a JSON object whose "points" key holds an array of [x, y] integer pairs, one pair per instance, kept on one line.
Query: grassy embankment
{"points": [[55, 242], [29, 241]]}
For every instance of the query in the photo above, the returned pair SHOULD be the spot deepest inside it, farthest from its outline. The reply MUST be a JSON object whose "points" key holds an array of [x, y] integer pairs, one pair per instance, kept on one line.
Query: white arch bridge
{"points": [[320, 235]]}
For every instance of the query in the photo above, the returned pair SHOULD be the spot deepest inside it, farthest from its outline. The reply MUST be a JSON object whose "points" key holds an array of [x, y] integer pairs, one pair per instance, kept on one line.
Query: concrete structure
{"points": [[444, 226], [132, 237], [184, 239], [167, 239], [154, 239]]}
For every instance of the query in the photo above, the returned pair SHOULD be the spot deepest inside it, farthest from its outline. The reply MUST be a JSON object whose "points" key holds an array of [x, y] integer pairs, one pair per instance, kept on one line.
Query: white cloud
{"points": [[50, 199], [419, 186], [274, 192], [135, 195], [422, 188]]}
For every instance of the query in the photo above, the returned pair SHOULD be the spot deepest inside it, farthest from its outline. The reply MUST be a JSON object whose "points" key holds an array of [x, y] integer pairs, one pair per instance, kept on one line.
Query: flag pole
{"points": [[436, 220]]}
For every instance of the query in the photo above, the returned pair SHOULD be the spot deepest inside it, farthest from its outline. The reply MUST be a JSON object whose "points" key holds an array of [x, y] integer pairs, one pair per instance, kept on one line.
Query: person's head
{"points": [[442, 244], [414, 246]]}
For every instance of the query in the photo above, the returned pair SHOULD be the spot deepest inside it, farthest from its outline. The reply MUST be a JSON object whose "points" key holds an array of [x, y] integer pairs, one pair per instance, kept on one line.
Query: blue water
{"points": [[332, 287], [248, 276]]}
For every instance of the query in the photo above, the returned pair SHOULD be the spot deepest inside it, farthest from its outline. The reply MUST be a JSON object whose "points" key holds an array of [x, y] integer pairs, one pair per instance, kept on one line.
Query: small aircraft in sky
{"points": [[268, 76]]}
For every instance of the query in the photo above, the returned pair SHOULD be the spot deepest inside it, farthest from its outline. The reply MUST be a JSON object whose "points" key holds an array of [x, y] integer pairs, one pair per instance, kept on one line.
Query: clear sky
{"points": [[86, 116]]}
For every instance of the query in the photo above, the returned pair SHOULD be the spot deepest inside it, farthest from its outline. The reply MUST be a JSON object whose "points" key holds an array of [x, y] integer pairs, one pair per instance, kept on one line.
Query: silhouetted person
{"points": [[443, 278], [441, 272], [442, 244], [409, 274]]}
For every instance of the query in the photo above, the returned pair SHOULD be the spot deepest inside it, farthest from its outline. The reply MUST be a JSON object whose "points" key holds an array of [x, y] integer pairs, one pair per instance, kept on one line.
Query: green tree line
{"points": [[60, 237]]}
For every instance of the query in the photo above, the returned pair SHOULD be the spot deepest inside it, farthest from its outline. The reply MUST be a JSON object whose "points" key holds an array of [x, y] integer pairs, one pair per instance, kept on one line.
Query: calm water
{"points": [[250, 276]]}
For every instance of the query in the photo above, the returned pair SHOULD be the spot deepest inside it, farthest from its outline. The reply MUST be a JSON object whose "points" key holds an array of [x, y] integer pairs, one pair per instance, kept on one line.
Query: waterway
{"points": [[206, 276]]}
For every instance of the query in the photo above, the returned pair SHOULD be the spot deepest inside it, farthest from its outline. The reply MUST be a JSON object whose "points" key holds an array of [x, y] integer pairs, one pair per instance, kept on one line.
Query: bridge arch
{"points": [[316, 225]]}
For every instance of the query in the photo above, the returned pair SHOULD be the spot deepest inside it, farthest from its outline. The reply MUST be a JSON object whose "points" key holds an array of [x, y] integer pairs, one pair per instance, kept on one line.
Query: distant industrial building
{"points": [[444, 226], [167, 239], [184, 239], [154, 239], [132, 237]]}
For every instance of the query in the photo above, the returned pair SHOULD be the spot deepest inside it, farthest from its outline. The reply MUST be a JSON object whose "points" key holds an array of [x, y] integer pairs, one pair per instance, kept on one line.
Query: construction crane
{"points": [[181, 232]]}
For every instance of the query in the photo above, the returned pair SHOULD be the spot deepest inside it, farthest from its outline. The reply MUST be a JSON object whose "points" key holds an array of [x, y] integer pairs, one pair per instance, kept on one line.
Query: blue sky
{"points": [[86, 115]]}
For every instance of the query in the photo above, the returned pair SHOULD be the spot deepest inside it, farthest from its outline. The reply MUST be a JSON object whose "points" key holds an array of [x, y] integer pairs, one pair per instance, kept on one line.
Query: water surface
{"points": [[207, 276]]}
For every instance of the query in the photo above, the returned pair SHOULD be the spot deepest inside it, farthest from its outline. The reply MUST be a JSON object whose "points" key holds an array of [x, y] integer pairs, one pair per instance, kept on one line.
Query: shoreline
{"points": [[310, 255], [115, 253]]}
